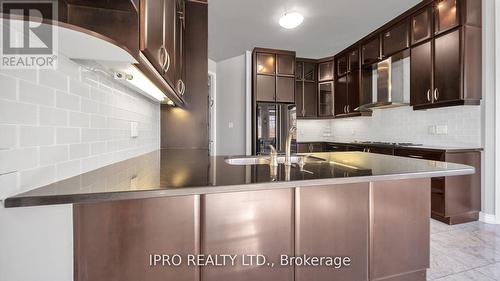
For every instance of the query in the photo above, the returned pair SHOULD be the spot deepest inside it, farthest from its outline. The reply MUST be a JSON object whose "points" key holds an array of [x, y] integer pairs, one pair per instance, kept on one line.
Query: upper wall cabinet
{"points": [[447, 15], [421, 25], [306, 94], [162, 31], [370, 50], [274, 76], [395, 39], [325, 71], [446, 69], [265, 63]]}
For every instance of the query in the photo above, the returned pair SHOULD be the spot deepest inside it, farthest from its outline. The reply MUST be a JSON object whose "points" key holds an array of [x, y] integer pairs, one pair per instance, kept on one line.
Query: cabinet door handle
{"points": [[181, 87], [345, 110], [416, 156], [163, 58], [348, 108], [429, 95], [436, 94]]}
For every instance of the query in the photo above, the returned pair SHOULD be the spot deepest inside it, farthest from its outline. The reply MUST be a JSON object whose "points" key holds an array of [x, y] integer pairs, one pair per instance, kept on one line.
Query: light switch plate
{"points": [[231, 125], [134, 130]]}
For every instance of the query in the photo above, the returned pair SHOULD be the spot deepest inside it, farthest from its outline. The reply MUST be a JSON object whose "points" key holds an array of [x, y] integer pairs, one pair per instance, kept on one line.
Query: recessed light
{"points": [[291, 20]]}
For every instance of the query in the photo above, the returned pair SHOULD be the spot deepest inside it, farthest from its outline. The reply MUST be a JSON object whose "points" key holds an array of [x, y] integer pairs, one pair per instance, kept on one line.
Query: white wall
{"points": [[36, 243], [231, 101], [55, 124]]}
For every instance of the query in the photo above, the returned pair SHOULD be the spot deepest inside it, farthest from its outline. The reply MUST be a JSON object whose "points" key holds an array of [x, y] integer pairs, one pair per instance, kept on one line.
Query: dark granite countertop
{"points": [[400, 145], [190, 172]]}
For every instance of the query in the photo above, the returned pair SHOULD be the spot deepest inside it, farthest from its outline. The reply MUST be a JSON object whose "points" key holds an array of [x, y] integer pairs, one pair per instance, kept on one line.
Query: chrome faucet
{"points": [[273, 160], [288, 146]]}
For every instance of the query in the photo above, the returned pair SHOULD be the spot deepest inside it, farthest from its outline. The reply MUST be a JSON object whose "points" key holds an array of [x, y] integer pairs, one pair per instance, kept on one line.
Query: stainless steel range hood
{"points": [[389, 83]]}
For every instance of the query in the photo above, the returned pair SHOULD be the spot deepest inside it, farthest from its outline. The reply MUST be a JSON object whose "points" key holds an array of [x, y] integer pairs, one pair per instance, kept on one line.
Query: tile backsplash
{"points": [[55, 124], [451, 126]]}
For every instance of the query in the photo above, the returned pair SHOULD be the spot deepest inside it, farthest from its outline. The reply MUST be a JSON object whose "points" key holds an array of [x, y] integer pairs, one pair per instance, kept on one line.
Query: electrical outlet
{"points": [[441, 129], [231, 125], [134, 130]]}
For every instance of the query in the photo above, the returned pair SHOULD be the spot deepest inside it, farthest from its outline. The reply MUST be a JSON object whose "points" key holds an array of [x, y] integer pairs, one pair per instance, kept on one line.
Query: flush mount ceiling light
{"points": [[291, 20]]}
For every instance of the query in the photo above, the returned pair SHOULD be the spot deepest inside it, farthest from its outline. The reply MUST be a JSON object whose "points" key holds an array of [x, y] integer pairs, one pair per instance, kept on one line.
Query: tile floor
{"points": [[464, 252]]}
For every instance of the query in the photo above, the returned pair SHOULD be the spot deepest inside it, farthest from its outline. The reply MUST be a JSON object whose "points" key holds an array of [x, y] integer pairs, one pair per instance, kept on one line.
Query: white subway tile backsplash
{"points": [[78, 88], [80, 150], [98, 95], [77, 119], [24, 74], [9, 184], [53, 117], [90, 106], [90, 135], [58, 123], [53, 154], [68, 169], [401, 124], [67, 101], [18, 159], [53, 79], [36, 136], [17, 113], [97, 121], [9, 87], [37, 177], [8, 136], [68, 135], [97, 148], [36, 94]]}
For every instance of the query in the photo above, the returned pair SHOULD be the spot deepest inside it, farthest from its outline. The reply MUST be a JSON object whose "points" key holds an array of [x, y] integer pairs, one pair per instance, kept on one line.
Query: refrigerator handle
{"points": [[278, 127]]}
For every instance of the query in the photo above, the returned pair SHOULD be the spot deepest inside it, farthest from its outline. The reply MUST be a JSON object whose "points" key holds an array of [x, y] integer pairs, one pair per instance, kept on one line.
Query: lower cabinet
{"points": [[333, 221], [454, 199], [256, 222], [399, 239], [113, 240]]}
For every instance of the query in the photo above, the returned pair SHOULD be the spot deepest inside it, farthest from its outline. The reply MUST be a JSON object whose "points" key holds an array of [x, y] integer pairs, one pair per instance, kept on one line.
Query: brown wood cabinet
{"points": [[421, 25], [162, 39], [370, 50], [325, 99], [325, 70], [228, 228], [447, 15], [347, 93], [395, 39], [340, 205], [453, 199], [421, 66], [274, 76], [112, 240], [446, 69], [306, 93], [310, 147]]}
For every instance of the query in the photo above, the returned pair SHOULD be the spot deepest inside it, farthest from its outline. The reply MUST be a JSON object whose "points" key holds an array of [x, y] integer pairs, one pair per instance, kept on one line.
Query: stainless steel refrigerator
{"points": [[273, 122]]}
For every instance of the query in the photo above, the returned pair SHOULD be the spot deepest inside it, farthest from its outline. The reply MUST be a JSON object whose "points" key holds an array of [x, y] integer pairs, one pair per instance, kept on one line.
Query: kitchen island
{"points": [[370, 211]]}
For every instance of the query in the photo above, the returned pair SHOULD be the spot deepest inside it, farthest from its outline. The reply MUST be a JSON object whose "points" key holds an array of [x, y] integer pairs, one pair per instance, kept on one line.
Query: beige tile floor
{"points": [[464, 252]]}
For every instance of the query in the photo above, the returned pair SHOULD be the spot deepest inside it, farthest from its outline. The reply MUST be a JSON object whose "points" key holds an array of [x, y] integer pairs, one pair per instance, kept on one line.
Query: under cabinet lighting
{"points": [[291, 20], [142, 83]]}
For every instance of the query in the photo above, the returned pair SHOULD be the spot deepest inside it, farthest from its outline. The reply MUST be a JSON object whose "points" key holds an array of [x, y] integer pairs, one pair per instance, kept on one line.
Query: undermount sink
{"points": [[264, 160]]}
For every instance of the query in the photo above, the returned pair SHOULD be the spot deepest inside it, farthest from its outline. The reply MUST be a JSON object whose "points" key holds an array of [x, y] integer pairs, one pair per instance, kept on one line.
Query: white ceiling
{"points": [[329, 26]]}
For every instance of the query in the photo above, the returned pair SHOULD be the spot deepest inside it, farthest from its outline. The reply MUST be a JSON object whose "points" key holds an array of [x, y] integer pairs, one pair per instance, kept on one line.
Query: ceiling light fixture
{"points": [[291, 20]]}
